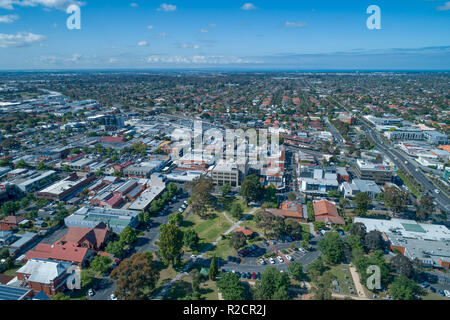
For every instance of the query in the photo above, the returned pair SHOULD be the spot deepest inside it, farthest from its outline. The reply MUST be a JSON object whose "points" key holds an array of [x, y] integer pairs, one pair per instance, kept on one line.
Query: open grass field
{"points": [[209, 229]]}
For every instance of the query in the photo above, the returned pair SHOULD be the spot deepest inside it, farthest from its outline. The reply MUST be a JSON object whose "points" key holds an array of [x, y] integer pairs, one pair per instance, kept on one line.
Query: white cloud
{"points": [[212, 25], [150, 27], [167, 7], [10, 18], [248, 6], [134, 5], [20, 39], [142, 43], [162, 35], [295, 24], [203, 31], [445, 7], [188, 46], [54, 4], [195, 60]]}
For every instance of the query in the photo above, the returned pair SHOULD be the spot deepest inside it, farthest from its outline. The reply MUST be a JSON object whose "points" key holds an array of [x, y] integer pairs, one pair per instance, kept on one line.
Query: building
{"points": [[156, 188], [386, 120], [31, 181], [317, 180], [352, 189], [405, 134], [116, 219], [229, 173], [12, 293], [377, 172], [326, 211], [10, 222], [248, 233], [66, 187], [435, 138], [44, 275], [143, 170], [292, 210], [430, 243]]}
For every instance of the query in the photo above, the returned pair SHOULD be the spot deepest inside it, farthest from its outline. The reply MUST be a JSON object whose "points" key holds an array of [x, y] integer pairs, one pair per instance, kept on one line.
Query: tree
{"points": [[236, 210], [176, 218], [201, 195], [86, 278], [237, 240], [173, 189], [358, 229], [128, 235], [395, 199], [251, 189], [230, 287], [402, 266], [226, 189], [404, 289], [376, 258], [10, 208], [60, 296], [332, 248], [295, 270], [424, 207], [170, 244], [362, 201], [292, 196], [100, 264], [191, 239], [374, 241], [135, 277], [321, 286], [213, 269], [271, 285], [115, 248], [4, 253]]}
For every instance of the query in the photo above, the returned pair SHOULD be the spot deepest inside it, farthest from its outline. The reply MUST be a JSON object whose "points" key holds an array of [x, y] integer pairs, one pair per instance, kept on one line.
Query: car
{"points": [[441, 292], [91, 292], [229, 258], [253, 275], [243, 275], [113, 297], [437, 191], [447, 293], [280, 259], [289, 257], [261, 261], [194, 257], [180, 210], [185, 203], [258, 275], [249, 275], [425, 284], [272, 261]]}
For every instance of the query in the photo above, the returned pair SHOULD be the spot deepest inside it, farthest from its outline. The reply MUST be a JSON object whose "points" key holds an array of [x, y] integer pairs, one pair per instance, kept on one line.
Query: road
{"points": [[443, 202]]}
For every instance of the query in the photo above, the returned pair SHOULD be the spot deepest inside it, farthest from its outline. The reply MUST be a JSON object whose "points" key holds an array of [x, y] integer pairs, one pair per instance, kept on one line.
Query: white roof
{"points": [[43, 271]]}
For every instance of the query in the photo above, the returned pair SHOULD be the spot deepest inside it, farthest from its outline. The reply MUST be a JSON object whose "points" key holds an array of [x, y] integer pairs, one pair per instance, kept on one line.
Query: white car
{"points": [[272, 261], [180, 210], [447, 293], [289, 257], [90, 292], [437, 190], [113, 297], [261, 261], [194, 257], [280, 259]]}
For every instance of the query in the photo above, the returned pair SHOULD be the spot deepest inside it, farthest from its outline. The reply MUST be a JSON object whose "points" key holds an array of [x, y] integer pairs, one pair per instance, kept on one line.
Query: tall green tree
{"points": [[332, 248], [230, 287], [170, 244], [213, 269], [251, 189]]}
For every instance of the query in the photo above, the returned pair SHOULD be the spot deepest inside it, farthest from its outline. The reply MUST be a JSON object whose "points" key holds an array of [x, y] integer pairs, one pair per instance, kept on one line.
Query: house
{"points": [[10, 222], [44, 275], [326, 212], [248, 233], [290, 209]]}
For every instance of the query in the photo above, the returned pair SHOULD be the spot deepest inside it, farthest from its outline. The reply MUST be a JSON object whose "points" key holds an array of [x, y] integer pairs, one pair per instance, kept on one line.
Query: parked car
{"points": [[261, 261], [280, 259], [113, 297], [441, 292], [91, 292], [272, 261], [447, 293], [432, 289], [289, 257]]}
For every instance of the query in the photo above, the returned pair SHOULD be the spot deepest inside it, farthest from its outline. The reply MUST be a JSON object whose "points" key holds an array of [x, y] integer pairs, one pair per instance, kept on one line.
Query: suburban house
{"points": [[10, 222], [326, 212], [248, 233]]}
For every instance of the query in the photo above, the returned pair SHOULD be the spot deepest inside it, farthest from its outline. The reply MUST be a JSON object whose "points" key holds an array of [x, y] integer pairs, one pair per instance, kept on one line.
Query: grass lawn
{"points": [[434, 296], [208, 230], [209, 290], [222, 250]]}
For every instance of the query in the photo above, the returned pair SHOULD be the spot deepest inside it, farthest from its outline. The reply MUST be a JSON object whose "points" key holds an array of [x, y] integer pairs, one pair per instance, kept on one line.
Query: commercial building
{"points": [[31, 181], [352, 189], [326, 212], [405, 134], [155, 189], [435, 138], [229, 173], [292, 210], [317, 180], [116, 219], [370, 171], [65, 188], [430, 243]]}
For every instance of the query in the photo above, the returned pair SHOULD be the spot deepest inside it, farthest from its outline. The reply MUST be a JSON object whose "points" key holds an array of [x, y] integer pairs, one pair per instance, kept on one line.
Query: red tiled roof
{"points": [[14, 220], [326, 211], [245, 230], [58, 252], [113, 139], [289, 209]]}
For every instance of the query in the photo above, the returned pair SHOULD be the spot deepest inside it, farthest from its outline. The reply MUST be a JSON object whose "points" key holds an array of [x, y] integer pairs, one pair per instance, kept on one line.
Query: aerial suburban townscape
{"points": [[113, 188], [199, 151]]}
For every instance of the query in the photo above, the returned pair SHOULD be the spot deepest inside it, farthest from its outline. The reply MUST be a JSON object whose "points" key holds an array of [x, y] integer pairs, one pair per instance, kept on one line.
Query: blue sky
{"points": [[260, 34]]}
